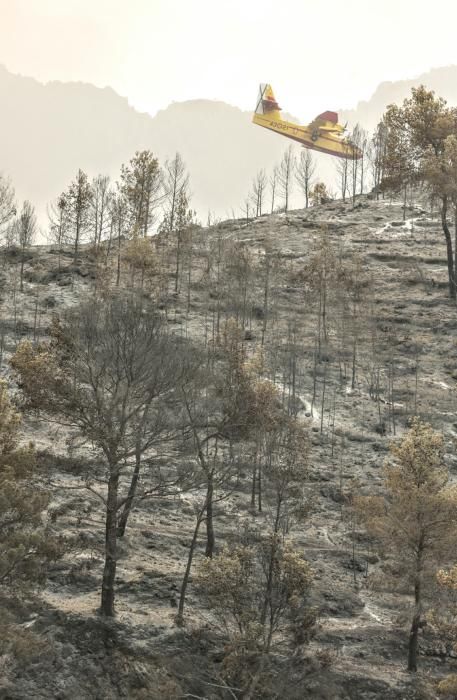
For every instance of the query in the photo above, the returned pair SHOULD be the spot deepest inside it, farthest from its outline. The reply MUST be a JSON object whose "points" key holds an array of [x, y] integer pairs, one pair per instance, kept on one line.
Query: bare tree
{"points": [[215, 472], [110, 372], [100, 208], [259, 186], [120, 223], [358, 138], [342, 169], [273, 186], [304, 172], [26, 231], [377, 155], [176, 183], [7, 203], [363, 145], [59, 223], [285, 173], [178, 217], [246, 209]]}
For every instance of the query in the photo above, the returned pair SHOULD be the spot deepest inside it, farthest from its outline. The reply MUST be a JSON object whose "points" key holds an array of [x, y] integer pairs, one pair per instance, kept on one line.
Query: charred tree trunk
{"points": [[253, 486], [118, 272], [449, 251], [178, 260], [190, 556], [123, 518], [22, 270], [455, 249], [413, 645], [210, 539], [109, 571], [259, 488]]}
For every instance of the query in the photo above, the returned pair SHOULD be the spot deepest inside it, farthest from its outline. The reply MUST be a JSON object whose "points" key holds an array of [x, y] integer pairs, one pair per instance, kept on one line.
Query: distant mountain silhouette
{"points": [[442, 80], [48, 131]]}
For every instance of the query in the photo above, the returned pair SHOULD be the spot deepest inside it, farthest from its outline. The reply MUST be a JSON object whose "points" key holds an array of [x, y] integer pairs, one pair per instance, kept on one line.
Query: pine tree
{"points": [[26, 226], [78, 202], [26, 546], [415, 151], [141, 185], [416, 521]]}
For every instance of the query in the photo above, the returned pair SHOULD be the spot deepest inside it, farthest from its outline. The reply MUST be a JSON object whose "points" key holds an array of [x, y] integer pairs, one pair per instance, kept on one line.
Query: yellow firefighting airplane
{"points": [[323, 134]]}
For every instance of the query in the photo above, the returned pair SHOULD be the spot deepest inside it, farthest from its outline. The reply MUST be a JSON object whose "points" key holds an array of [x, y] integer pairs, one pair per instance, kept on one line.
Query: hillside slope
{"points": [[363, 622]]}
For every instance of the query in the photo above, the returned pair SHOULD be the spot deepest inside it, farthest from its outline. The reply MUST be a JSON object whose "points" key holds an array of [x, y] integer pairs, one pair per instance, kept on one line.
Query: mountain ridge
{"points": [[49, 130]]}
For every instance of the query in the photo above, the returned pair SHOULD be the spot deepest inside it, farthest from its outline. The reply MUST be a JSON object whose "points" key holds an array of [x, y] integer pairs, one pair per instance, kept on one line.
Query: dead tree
{"points": [[304, 172], [111, 373], [286, 169], [26, 226], [259, 186], [273, 186], [100, 209], [7, 203]]}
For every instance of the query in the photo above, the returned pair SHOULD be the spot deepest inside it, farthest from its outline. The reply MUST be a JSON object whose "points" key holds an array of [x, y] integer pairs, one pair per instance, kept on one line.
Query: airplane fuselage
{"points": [[315, 139]]}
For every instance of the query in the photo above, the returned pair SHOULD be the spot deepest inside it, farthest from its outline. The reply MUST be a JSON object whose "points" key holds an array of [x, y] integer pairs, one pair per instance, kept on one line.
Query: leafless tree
{"points": [[26, 226], [176, 183], [111, 373], [246, 209], [120, 222], [342, 169], [259, 186], [59, 222], [178, 217], [285, 173], [377, 155], [358, 138], [304, 172], [363, 145], [7, 203], [273, 186], [100, 208]]}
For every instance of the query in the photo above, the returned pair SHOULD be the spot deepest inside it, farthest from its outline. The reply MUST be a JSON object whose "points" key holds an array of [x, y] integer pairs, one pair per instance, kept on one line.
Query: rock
{"points": [[341, 603], [333, 492], [355, 564], [49, 302]]}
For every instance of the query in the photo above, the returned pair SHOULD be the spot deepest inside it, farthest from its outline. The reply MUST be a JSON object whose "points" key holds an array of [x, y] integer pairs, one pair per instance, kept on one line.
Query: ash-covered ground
{"points": [[406, 337]]}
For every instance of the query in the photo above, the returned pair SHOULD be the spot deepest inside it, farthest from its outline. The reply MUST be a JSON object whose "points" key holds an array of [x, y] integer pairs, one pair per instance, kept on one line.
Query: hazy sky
{"points": [[318, 54]]}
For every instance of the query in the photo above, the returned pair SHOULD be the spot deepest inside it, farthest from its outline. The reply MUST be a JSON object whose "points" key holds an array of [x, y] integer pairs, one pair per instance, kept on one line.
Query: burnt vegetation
{"points": [[227, 452]]}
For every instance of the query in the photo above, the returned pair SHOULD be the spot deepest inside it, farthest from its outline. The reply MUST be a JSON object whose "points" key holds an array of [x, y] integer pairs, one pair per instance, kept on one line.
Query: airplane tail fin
{"points": [[266, 102]]}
